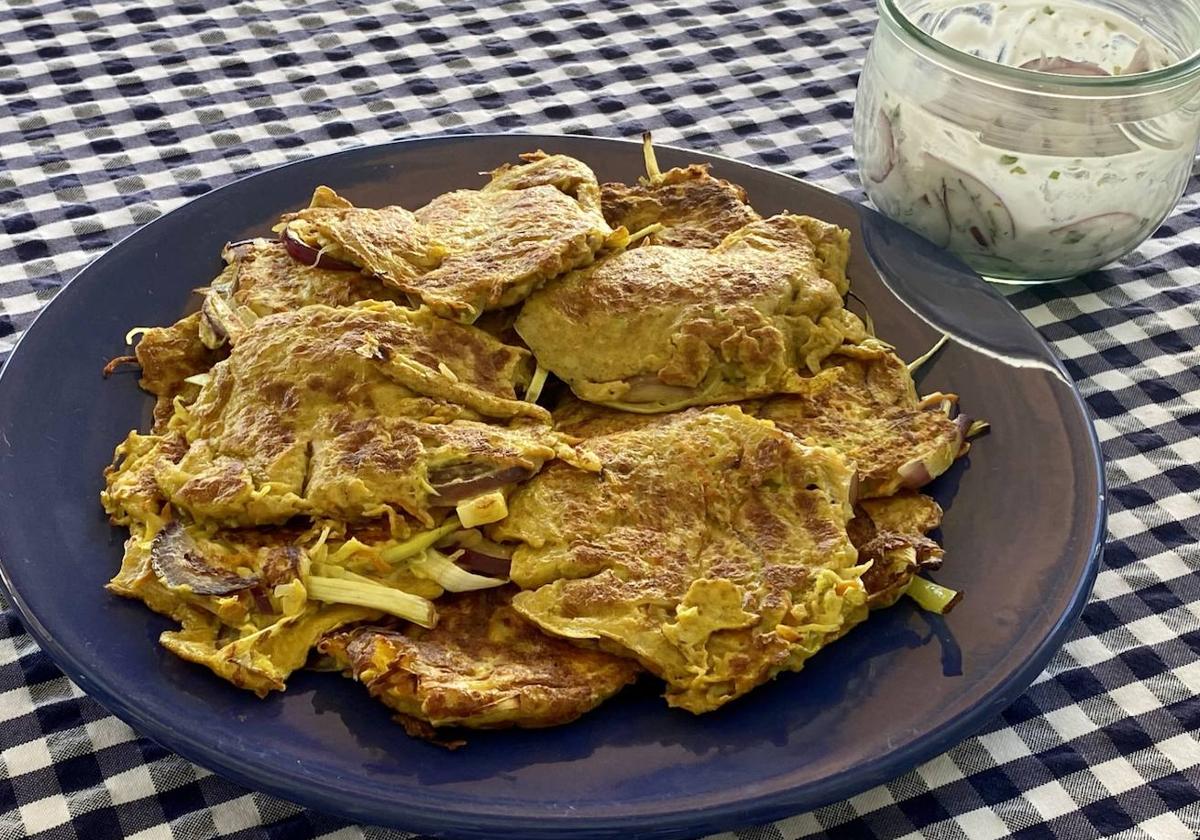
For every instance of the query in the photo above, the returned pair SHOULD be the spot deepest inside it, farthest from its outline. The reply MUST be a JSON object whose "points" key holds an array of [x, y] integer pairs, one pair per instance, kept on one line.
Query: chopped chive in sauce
{"points": [[1008, 160], [1017, 170], [1055, 175]]}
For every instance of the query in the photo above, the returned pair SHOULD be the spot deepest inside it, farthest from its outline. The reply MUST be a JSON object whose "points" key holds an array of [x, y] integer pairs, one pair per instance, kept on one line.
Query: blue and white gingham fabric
{"points": [[112, 113]]}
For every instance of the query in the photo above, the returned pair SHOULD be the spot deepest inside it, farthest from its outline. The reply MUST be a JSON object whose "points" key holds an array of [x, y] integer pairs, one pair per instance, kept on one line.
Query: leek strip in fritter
{"points": [[536, 384], [652, 170], [135, 333], [447, 574], [414, 608], [422, 541], [482, 510], [916, 363], [644, 232], [932, 597], [977, 428]]}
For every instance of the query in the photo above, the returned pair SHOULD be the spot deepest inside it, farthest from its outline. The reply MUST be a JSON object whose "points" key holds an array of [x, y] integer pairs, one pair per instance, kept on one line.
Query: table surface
{"points": [[114, 113]]}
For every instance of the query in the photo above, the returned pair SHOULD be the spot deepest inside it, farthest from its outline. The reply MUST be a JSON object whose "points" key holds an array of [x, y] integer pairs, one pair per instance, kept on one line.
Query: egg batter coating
{"points": [[469, 251], [482, 667], [711, 547], [655, 327], [695, 209], [864, 404], [351, 412]]}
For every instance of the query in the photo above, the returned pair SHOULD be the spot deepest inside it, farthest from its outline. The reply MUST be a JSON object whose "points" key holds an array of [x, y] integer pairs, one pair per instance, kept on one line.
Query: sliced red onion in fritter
{"points": [[483, 564], [178, 562], [914, 474], [310, 256], [462, 481], [962, 423]]}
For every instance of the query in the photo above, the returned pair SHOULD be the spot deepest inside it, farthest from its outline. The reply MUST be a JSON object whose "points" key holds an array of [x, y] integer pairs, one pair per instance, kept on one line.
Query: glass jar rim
{"points": [[1181, 72]]}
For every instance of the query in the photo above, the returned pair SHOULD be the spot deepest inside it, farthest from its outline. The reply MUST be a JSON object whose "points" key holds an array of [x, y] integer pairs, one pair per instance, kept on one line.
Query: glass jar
{"points": [[1037, 140]]}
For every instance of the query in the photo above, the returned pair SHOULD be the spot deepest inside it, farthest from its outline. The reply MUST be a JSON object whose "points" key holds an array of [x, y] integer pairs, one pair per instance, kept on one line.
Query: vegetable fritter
{"points": [[482, 667], [711, 547], [657, 327]]}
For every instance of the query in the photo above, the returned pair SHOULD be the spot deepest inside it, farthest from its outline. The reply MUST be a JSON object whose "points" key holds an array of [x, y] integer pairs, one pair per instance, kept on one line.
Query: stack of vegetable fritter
{"points": [[498, 456]]}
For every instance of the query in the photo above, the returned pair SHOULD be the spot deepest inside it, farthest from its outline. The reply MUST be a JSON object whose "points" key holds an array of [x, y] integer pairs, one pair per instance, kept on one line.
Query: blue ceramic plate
{"points": [[1024, 524]]}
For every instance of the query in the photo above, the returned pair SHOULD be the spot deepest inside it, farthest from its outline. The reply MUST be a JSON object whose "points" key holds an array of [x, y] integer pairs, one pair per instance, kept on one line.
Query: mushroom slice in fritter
{"points": [[711, 547], [179, 564], [482, 667], [656, 327]]}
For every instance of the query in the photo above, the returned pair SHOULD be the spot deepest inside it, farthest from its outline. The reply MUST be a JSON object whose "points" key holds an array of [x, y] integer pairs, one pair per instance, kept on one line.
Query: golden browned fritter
{"points": [[388, 243], [232, 595], [712, 548], [566, 174], [361, 463], [468, 251], [656, 328], [263, 277], [891, 535], [483, 666], [695, 209], [168, 356], [501, 245], [864, 405], [275, 432]]}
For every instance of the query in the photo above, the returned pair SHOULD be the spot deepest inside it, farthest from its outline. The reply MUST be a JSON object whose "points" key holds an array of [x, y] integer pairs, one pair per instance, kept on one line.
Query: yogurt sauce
{"points": [[1024, 191]]}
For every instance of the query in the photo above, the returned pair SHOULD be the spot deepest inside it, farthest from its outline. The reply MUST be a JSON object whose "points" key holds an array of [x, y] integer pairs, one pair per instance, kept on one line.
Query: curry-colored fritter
{"points": [[468, 251], [264, 278], [864, 404], [712, 548], [694, 209], [483, 666], [656, 327], [501, 245], [168, 356], [387, 243], [892, 535], [284, 426], [247, 600], [566, 174], [325, 463]]}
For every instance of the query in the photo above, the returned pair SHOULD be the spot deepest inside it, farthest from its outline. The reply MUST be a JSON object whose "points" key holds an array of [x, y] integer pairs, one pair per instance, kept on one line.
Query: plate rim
{"points": [[418, 814]]}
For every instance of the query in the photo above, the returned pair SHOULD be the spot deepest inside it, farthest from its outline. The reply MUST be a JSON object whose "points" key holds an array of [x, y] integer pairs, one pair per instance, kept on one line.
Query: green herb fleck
{"points": [[1048, 10], [1008, 160], [1017, 170], [1054, 175], [1110, 26], [1074, 237]]}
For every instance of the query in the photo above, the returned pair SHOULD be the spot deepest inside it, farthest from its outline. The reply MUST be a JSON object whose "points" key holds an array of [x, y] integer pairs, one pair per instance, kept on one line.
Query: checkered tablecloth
{"points": [[114, 113]]}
